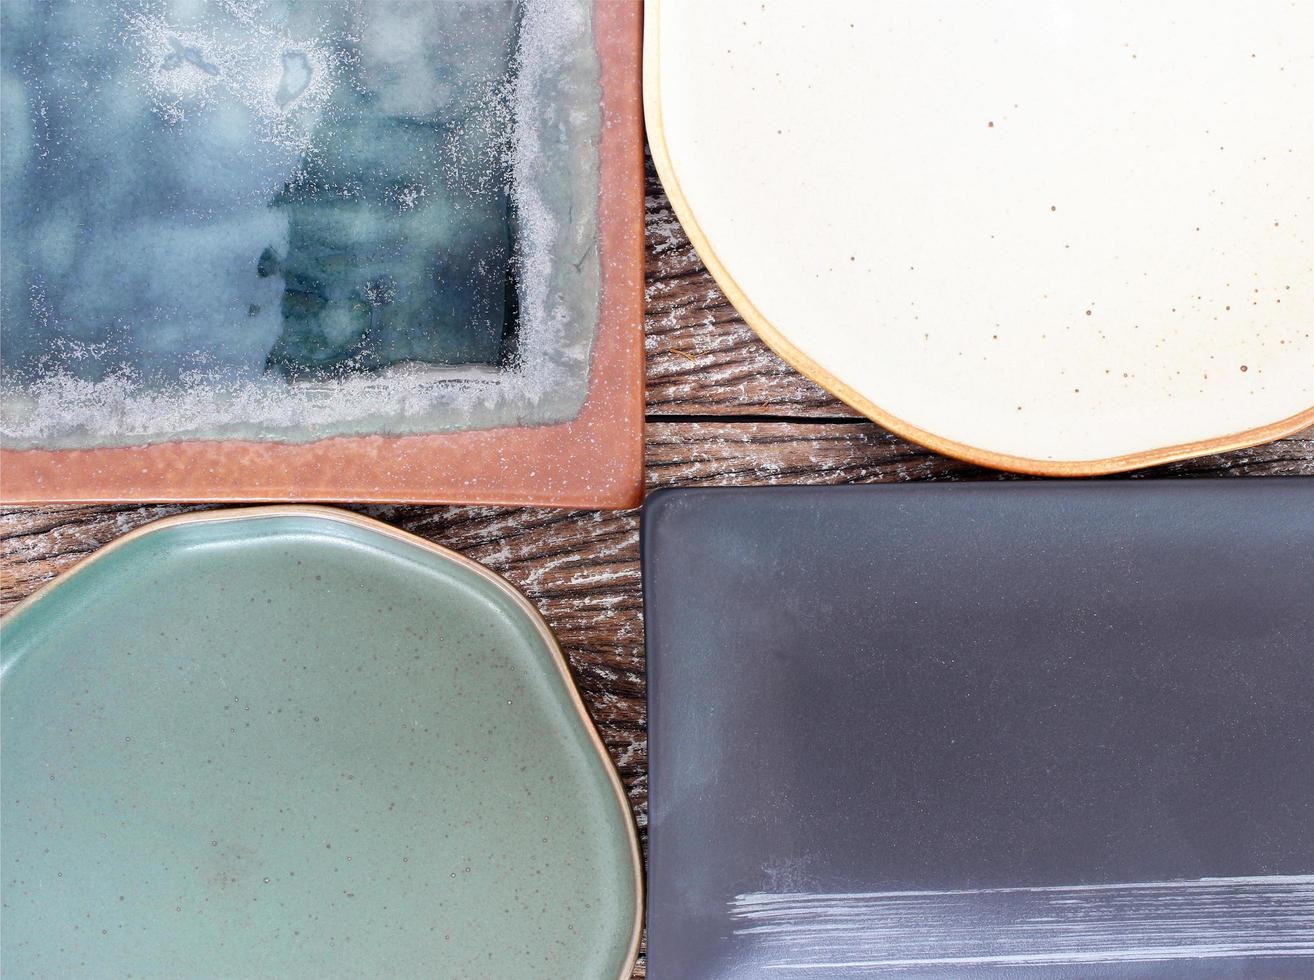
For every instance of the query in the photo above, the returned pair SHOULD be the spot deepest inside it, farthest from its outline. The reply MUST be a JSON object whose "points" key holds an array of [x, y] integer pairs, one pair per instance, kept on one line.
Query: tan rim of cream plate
{"points": [[506, 588], [805, 365]]}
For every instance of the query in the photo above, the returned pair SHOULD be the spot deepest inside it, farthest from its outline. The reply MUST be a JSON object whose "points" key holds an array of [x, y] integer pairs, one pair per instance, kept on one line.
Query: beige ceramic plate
{"points": [[1049, 237]]}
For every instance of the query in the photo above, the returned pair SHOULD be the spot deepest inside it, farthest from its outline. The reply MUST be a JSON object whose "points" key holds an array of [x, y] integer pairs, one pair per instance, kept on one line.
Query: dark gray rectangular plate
{"points": [[1001, 730]]}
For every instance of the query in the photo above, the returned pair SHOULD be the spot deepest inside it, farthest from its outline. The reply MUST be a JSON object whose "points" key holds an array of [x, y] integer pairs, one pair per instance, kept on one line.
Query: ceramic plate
{"points": [[294, 742], [1056, 730], [322, 250], [1050, 237]]}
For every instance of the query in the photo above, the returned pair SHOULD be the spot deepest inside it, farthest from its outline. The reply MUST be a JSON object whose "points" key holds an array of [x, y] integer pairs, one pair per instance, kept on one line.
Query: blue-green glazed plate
{"points": [[294, 742]]}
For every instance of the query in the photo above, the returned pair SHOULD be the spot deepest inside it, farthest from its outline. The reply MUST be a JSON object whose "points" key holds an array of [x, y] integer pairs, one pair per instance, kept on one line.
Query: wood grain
{"points": [[703, 359], [723, 410]]}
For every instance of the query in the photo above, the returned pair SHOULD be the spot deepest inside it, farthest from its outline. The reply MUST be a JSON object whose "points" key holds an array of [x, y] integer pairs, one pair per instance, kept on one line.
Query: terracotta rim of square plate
{"points": [[592, 461]]}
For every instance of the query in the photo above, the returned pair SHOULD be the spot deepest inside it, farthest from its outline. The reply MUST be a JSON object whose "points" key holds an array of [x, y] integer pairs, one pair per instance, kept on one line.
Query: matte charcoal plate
{"points": [[1041, 730], [293, 742]]}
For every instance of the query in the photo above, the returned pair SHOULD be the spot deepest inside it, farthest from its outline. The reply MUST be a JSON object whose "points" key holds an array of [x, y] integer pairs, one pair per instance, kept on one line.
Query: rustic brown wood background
{"points": [[722, 410]]}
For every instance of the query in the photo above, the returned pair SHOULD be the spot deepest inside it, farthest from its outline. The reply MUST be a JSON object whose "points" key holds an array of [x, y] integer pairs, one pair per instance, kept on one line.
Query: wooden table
{"points": [[722, 410]]}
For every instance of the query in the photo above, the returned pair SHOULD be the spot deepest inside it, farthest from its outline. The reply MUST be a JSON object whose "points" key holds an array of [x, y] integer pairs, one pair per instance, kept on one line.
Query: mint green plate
{"points": [[294, 742]]}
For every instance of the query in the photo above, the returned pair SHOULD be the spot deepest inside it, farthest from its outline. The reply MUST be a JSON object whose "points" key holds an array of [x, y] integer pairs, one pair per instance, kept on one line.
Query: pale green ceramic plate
{"points": [[293, 742]]}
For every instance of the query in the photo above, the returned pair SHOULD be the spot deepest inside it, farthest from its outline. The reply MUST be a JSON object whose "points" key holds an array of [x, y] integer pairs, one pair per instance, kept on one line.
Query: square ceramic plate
{"points": [[1026, 730], [322, 250]]}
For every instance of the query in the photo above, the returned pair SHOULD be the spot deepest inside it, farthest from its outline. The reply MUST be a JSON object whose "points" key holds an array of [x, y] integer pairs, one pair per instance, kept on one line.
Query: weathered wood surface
{"points": [[702, 358], [723, 410]]}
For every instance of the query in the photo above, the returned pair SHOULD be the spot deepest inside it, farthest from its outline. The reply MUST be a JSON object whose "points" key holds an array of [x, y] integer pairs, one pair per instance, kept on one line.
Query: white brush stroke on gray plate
{"points": [[1062, 925]]}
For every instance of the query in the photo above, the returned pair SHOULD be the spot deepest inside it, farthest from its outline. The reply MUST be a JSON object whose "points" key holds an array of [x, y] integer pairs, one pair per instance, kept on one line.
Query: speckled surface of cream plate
{"points": [[293, 742], [1053, 237]]}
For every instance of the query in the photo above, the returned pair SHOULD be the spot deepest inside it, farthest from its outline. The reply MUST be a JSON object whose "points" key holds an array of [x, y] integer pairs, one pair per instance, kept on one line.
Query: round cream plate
{"points": [[1042, 235]]}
